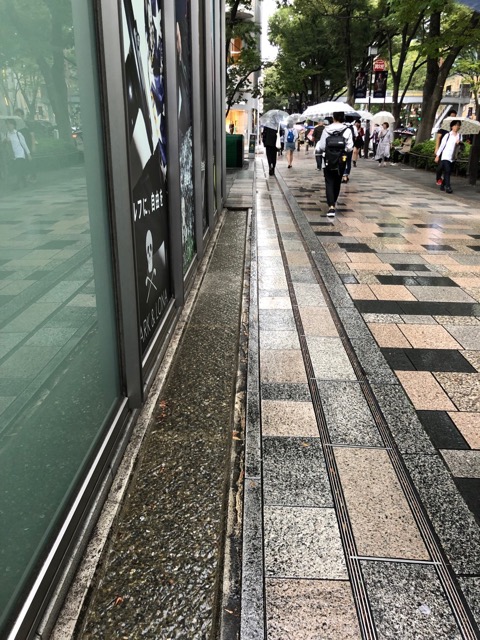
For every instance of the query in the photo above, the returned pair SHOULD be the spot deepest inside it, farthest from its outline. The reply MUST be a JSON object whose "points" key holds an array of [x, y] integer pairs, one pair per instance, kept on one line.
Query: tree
{"points": [[41, 32], [245, 60], [468, 66], [450, 27], [401, 33]]}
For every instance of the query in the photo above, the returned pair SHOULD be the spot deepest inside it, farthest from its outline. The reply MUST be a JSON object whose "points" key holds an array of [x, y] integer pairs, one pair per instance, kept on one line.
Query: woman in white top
{"points": [[447, 154], [385, 140]]}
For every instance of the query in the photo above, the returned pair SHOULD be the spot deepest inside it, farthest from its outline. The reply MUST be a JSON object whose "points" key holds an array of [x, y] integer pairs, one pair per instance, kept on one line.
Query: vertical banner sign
{"points": [[145, 95], [380, 84], [185, 129], [361, 81]]}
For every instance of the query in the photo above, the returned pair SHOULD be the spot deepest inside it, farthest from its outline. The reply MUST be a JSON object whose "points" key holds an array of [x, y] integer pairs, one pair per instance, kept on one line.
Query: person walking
{"points": [[441, 133], [447, 154], [385, 140], [348, 164], [358, 141], [335, 143], [374, 137], [317, 134], [290, 136], [269, 139], [20, 152]]}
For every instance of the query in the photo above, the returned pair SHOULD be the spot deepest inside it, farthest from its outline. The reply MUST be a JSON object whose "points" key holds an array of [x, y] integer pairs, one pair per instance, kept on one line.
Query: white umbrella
{"points": [[273, 118], [364, 115], [326, 109], [467, 128], [19, 123], [383, 116]]}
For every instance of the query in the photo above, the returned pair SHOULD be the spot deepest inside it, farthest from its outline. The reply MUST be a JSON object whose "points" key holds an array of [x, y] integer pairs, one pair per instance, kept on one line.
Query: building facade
{"points": [[105, 213]]}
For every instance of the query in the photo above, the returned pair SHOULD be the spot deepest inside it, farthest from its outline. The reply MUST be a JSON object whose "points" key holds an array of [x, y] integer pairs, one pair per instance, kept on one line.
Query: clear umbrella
{"points": [[364, 115], [468, 127], [273, 118]]}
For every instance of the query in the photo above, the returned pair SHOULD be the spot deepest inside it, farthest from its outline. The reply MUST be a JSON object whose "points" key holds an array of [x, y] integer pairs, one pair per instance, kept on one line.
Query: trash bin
{"points": [[234, 150]]}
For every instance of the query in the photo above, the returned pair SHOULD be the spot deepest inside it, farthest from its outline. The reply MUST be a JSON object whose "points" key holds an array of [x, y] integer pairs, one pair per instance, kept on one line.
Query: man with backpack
{"points": [[336, 142], [290, 136]]}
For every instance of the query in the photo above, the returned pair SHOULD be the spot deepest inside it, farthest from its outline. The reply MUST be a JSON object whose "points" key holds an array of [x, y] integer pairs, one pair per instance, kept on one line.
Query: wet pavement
{"points": [[362, 465], [361, 404]]}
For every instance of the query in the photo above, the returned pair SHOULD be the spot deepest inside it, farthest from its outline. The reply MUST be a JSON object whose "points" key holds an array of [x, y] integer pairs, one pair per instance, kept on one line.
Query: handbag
{"points": [[278, 142]]}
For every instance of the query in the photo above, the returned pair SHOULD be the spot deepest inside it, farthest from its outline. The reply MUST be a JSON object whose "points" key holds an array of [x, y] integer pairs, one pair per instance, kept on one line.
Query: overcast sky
{"points": [[268, 7]]}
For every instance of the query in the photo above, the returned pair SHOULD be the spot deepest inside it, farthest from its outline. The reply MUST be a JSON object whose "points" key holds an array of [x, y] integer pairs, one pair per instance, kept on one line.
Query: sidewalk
{"points": [[362, 463]]}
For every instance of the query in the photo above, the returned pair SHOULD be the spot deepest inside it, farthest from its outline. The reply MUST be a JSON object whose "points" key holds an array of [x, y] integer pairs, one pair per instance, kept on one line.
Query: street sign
{"points": [[379, 65]]}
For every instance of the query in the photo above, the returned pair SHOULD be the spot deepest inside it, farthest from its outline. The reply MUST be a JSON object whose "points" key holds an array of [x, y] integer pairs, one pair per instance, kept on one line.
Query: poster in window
{"points": [[145, 96], [185, 129], [380, 84]]}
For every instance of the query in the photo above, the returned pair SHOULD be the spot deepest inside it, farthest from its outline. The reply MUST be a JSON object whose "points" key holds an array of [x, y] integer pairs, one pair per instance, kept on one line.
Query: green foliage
{"points": [[239, 79], [423, 157]]}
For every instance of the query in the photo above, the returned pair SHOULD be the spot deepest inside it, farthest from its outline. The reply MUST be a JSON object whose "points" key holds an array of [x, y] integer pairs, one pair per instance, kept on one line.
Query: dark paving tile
{"points": [[439, 281], [470, 490], [476, 236], [401, 266], [442, 430], [398, 359], [5, 299], [294, 473], [388, 235], [38, 275], [57, 244], [378, 306], [286, 391], [438, 247], [409, 307], [476, 248], [428, 226], [356, 247], [328, 233], [406, 280], [389, 224], [439, 360]]}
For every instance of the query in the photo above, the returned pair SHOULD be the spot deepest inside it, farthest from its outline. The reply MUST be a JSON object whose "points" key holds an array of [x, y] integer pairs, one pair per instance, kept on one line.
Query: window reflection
{"points": [[58, 356]]}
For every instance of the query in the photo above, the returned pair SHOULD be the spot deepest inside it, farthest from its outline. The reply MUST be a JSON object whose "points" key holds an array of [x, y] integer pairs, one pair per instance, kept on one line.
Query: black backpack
{"points": [[335, 149]]}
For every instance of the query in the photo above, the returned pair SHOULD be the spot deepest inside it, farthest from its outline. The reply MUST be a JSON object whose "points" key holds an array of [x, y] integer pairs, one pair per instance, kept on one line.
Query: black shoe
{"points": [[448, 190], [331, 212], [354, 163], [442, 188], [271, 172]]}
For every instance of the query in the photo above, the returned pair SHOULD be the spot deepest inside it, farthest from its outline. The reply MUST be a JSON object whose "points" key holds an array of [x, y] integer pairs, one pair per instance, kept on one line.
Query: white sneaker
{"points": [[331, 212]]}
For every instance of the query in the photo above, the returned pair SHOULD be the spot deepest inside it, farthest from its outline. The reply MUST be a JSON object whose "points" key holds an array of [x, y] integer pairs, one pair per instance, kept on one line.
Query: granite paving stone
{"points": [[408, 602], [462, 388], [310, 609], [303, 542], [329, 359], [382, 522], [277, 320], [349, 420], [471, 590], [428, 336], [425, 392], [294, 473], [282, 365], [467, 336], [288, 418], [454, 524], [468, 423], [279, 340], [463, 464], [317, 321]]}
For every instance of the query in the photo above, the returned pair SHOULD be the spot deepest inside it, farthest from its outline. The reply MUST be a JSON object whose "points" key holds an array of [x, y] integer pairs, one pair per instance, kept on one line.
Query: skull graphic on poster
{"points": [[150, 268]]}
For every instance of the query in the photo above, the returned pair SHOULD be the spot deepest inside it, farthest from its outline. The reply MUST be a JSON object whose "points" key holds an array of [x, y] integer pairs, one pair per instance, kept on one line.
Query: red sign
{"points": [[379, 65]]}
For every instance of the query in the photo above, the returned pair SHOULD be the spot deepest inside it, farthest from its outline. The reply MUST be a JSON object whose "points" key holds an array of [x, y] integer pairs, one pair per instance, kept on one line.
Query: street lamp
{"points": [[372, 52]]}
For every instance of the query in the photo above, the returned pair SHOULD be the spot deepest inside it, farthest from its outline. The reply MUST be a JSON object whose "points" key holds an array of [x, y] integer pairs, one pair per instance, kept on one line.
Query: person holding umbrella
{"points": [[385, 140], [447, 154]]}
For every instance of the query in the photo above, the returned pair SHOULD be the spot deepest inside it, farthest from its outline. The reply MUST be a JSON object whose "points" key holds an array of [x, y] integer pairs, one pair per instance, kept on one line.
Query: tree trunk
{"points": [[474, 156], [58, 79]]}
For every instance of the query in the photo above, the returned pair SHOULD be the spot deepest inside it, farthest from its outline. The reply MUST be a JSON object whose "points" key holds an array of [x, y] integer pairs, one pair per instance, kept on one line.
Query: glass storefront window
{"points": [[59, 366]]}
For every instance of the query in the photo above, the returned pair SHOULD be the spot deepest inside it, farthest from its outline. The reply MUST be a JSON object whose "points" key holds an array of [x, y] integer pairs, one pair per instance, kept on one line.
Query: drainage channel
{"points": [[463, 617]]}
